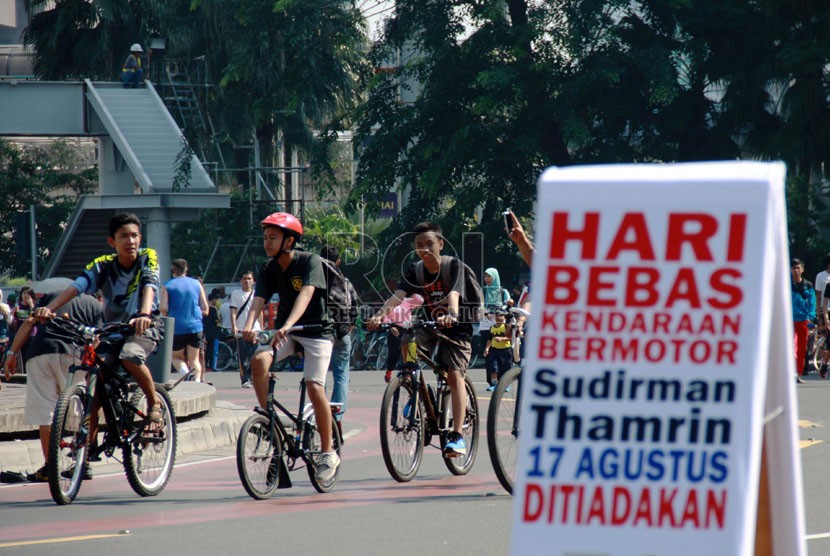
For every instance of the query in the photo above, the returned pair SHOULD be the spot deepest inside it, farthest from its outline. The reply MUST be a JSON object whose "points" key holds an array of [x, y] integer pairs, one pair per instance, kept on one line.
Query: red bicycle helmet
{"points": [[287, 222]]}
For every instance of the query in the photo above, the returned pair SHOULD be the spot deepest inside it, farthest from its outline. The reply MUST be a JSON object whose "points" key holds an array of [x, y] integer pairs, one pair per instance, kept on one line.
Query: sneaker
{"points": [[246, 384], [822, 371], [39, 476], [491, 387], [799, 380], [329, 462], [86, 475], [455, 445], [388, 376]]}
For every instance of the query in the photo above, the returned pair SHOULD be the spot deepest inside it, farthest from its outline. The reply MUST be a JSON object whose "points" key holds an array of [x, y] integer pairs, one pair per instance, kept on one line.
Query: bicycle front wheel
{"points": [[503, 427], [67, 446], [149, 458], [469, 431], [312, 444], [259, 453], [401, 430]]}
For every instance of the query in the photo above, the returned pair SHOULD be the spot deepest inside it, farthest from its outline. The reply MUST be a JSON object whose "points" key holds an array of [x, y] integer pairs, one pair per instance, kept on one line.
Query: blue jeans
{"points": [[339, 367]]}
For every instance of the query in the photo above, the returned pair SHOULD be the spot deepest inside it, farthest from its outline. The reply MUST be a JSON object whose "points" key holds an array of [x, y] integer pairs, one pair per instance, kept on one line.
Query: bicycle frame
{"points": [[294, 440]]}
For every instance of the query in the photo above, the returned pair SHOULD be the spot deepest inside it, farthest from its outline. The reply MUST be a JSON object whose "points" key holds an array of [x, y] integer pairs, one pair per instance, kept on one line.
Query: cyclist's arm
{"points": [[253, 314], [64, 297], [393, 301], [143, 320]]}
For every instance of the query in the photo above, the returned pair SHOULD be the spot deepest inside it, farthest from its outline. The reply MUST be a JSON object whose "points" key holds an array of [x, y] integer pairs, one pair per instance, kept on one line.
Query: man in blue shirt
{"points": [[183, 298]]}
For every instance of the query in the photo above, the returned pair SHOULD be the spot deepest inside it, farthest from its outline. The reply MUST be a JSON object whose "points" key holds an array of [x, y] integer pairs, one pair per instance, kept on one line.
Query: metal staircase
{"points": [[186, 101], [88, 242], [146, 135]]}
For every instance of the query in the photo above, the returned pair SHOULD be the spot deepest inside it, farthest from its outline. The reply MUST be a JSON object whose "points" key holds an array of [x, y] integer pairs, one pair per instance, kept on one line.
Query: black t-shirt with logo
{"points": [[435, 294], [305, 269], [48, 338]]}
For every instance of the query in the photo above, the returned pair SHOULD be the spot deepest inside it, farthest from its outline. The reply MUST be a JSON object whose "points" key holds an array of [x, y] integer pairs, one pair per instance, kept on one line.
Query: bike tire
{"points": [[401, 437], [818, 347], [225, 357], [149, 458], [259, 450], [463, 465], [503, 427], [68, 446], [312, 444]]}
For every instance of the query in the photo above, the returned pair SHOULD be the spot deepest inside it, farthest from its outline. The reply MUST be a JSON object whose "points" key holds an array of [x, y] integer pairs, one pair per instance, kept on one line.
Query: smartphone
{"points": [[508, 220]]}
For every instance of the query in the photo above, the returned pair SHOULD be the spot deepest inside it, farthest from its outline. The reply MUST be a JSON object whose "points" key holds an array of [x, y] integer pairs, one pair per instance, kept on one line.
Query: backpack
{"points": [[471, 304], [340, 301]]}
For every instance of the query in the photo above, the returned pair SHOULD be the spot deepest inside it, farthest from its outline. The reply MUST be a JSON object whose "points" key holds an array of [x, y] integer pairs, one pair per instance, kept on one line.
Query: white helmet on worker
{"points": [[136, 48]]}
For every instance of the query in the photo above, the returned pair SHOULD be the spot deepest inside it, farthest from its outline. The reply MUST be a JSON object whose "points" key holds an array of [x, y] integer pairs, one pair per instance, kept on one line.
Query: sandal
{"points": [[154, 419]]}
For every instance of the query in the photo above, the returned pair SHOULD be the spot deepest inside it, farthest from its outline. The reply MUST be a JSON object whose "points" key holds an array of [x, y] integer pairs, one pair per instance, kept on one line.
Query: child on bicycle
{"points": [[129, 281], [442, 305], [299, 280]]}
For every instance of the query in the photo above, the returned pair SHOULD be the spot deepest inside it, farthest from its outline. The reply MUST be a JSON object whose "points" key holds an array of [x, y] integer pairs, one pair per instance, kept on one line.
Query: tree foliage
{"points": [[33, 176], [501, 89]]}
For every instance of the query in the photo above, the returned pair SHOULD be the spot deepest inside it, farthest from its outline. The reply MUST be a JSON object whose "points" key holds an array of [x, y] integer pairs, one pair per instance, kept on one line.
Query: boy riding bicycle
{"points": [[299, 280], [441, 301]]}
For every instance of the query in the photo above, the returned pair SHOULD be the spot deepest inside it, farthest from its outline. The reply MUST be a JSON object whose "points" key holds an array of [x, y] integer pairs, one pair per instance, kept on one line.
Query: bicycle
{"points": [[226, 358], [266, 450], [371, 353], [413, 412], [148, 455], [503, 421]]}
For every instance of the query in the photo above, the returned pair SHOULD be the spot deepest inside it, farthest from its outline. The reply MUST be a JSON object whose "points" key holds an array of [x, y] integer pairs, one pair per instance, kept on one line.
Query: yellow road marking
{"points": [[807, 424], [59, 539], [807, 443]]}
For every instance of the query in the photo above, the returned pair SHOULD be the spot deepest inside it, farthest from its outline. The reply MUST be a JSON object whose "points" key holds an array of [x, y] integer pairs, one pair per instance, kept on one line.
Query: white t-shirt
{"points": [[225, 315], [238, 298], [821, 282]]}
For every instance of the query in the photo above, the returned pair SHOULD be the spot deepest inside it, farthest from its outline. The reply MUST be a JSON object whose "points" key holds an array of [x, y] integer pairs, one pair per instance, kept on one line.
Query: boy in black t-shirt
{"points": [[299, 280], [442, 303]]}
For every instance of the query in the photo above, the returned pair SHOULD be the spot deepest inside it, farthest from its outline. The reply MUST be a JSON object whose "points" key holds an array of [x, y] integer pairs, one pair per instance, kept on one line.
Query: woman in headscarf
{"points": [[495, 297]]}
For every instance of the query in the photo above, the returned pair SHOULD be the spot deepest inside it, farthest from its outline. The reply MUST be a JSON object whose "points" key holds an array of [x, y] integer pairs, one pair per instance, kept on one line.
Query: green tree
{"points": [[83, 38], [28, 177], [284, 68]]}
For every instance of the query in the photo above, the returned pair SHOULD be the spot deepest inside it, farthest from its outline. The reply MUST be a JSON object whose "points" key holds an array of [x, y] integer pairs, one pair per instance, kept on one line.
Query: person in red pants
{"points": [[804, 313]]}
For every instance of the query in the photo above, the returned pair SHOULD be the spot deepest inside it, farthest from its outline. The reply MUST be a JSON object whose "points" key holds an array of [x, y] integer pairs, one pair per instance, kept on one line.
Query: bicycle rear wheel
{"points": [[503, 427], [401, 431], [462, 465], [225, 357], [149, 458], [259, 451], [67, 446], [312, 443]]}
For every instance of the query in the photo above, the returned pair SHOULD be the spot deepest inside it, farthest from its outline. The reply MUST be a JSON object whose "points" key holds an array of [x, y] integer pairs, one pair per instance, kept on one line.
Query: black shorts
{"points": [[181, 341]]}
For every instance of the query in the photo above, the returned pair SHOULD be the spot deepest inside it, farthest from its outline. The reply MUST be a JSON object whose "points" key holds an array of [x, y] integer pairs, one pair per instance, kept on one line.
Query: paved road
{"points": [[204, 509]]}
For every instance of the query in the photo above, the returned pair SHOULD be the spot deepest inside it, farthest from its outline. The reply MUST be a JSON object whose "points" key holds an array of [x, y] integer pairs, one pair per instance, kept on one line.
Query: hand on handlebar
{"points": [[140, 324], [249, 336], [447, 321], [43, 314], [373, 323]]}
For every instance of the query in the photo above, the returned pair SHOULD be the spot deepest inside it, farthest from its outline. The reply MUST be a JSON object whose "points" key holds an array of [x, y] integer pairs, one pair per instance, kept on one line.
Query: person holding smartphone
{"points": [[518, 236]]}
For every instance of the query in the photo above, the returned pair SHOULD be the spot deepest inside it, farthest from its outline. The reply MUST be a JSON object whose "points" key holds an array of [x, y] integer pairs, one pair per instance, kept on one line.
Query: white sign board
{"points": [[645, 388]]}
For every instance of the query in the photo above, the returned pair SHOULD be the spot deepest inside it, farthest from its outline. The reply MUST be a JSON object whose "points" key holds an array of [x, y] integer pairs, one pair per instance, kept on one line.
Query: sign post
{"points": [[661, 339]]}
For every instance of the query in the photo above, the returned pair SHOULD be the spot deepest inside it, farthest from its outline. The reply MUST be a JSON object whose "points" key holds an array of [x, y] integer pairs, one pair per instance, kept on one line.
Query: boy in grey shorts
{"points": [[442, 303], [297, 276]]}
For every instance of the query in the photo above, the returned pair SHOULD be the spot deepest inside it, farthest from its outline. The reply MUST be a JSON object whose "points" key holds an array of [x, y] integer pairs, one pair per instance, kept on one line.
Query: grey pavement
{"points": [[203, 423]]}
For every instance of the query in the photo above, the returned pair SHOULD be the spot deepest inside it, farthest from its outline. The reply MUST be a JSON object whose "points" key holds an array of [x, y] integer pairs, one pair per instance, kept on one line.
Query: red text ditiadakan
{"points": [[647, 507]]}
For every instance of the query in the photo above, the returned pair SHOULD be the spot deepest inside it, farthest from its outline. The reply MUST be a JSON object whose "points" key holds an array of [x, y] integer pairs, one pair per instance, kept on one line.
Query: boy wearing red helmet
{"points": [[298, 278]]}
